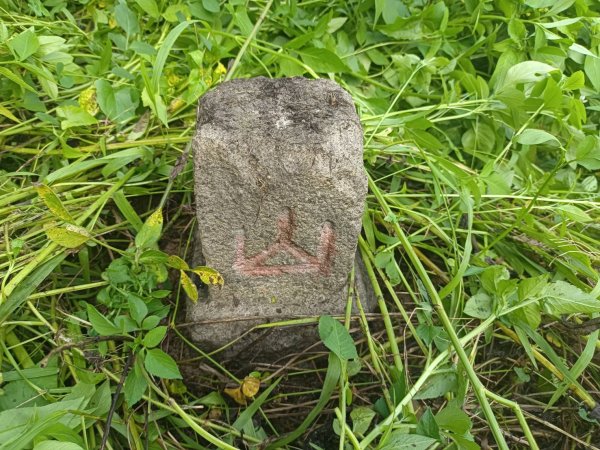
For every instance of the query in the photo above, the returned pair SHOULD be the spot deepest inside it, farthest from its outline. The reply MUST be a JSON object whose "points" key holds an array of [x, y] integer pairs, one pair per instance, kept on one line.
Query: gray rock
{"points": [[280, 190]]}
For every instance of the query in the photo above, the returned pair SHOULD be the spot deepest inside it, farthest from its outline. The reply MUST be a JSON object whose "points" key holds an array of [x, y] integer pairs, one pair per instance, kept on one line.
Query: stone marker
{"points": [[280, 190]]}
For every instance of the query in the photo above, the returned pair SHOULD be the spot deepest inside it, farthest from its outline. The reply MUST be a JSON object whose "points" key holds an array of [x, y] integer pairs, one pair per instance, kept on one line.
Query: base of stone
{"points": [[268, 339]]}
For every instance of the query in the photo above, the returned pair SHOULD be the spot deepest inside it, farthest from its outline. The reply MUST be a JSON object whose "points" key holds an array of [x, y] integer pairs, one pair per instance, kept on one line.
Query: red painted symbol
{"points": [[305, 262]]}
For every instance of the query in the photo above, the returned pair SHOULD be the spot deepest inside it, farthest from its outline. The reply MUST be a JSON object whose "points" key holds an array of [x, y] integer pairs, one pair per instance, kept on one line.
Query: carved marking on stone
{"points": [[306, 262]]}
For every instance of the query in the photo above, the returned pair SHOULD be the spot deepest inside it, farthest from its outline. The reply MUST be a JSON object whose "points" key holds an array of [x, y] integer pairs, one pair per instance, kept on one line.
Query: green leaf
{"points": [[100, 323], [464, 443], [150, 232], [135, 384], [517, 30], [17, 388], [531, 287], [154, 336], [400, 440], [592, 70], [438, 385], [561, 297], [453, 419], [361, 419], [142, 48], [150, 7], [105, 95], [56, 445], [153, 256], [126, 324], [118, 271], [322, 60], [126, 18], [16, 79], [21, 426], [353, 367], [74, 116], [528, 314], [394, 9], [163, 53], [20, 429], [53, 203], [379, 5], [127, 210], [575, 81], [335, 24], [47, 81], [156, 104], [137, 308], [150, 322], [69, 236], [534, 137], [73, 169], [118, 105], [479, 306], [24, 45], [586, 153], [176, 262], [336, 338], [527, 72], [403, 28], [242, 21], [427, 426], [575, 213], [26, 287], [211, 5], [160, 364]]}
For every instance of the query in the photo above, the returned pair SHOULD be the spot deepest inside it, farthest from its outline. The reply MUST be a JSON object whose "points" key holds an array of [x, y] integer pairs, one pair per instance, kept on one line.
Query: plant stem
{"points": [[478, 387], [248, 40]]}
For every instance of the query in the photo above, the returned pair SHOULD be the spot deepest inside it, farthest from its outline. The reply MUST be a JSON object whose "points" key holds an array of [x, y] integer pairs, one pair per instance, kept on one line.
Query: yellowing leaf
{"points": [[236, 394], [250, 386], [176, 262], [208, 275], [188, 286], [53, 203], [87, 101], [150, 232], [247, 390], [69, 236], [6, 113], [173, 79], [220, 69], [176, 387], [176, 105]]}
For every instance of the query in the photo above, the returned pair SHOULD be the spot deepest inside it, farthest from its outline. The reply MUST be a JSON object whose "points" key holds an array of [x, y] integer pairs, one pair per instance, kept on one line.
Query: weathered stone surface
{"points": [[280, 190]]}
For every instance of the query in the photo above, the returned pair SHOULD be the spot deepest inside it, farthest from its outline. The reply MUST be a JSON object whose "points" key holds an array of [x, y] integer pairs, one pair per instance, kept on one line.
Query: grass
{"points": [[480, 234]]}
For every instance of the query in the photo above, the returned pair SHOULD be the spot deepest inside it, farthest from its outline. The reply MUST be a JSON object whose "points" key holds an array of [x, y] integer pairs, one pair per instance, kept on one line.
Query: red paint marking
{"points": [[320, 263]]}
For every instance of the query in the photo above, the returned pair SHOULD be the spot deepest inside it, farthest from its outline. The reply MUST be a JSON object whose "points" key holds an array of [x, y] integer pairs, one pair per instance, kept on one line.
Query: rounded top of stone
{"points": [[265, 103]]}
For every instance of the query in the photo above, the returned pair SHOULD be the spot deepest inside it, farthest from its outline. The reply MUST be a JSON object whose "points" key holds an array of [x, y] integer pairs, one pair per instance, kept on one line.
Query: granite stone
{"points": [[280, 190]]}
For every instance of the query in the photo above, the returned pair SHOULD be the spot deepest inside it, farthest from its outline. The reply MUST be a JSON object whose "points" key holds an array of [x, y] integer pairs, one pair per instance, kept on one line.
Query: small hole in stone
{"points": [[278, 310]]}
